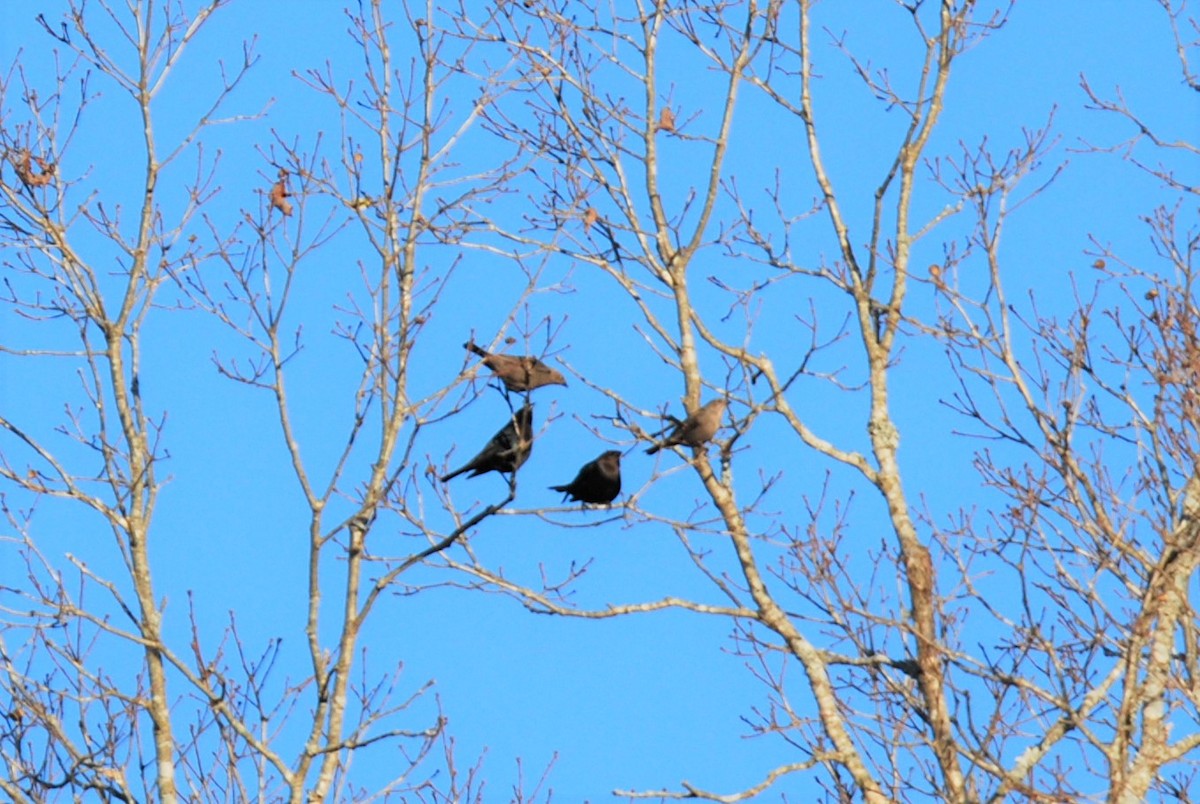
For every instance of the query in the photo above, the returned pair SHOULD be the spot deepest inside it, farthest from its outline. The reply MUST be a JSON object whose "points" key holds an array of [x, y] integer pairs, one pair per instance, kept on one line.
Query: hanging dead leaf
{"points": [[279, 195], [40, 176], [590, 217], [666, 120]]}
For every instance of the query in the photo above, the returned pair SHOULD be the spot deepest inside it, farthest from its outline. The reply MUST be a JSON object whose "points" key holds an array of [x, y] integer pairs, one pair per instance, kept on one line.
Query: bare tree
{"points": [[207, 716], [629, 156], [1092, 412], [1089, 661], [47, 210]]}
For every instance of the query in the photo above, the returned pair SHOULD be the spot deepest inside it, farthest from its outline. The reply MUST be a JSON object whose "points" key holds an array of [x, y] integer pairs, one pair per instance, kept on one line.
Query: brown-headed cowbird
{"points": [[599, 481], [518, 373], [696, 429], [507, 450]]}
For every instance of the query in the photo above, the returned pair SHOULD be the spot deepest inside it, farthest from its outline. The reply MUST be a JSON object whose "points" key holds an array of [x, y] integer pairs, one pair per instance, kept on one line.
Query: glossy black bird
{"points": [[697, 429], [508, 449], [518, 373], [599, 481]]}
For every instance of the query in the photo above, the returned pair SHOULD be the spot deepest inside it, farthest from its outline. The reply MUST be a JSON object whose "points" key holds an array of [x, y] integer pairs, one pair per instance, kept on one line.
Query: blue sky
{"points": [[644, 701]]}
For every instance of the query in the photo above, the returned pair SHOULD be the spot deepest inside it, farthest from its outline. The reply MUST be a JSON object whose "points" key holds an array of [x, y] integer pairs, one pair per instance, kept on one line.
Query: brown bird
{"points": [[696, 429], [518, 373], [508, 449], [599, 481]]}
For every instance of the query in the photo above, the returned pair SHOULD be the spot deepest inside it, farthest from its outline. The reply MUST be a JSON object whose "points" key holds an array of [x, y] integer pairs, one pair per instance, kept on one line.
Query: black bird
{"points": [[518, 373], [599, 481], [696, 429], [508, 449]]}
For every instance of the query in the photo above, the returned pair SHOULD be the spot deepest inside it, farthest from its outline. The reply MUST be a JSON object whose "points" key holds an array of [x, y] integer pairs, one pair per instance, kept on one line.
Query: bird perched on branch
{"points": [[697, 429], [508, 449], [598, 481], [518, 373]]}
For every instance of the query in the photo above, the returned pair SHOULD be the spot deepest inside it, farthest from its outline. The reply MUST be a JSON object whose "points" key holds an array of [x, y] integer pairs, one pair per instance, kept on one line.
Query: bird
{"points": [[696, 429], [598, 481], [508, 449], [518, 373]]}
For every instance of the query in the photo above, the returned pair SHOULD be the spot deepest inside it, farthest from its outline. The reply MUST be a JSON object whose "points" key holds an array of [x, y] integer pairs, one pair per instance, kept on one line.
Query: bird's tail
{"points": [[471, 347], [654, 449], [455, 473]]}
